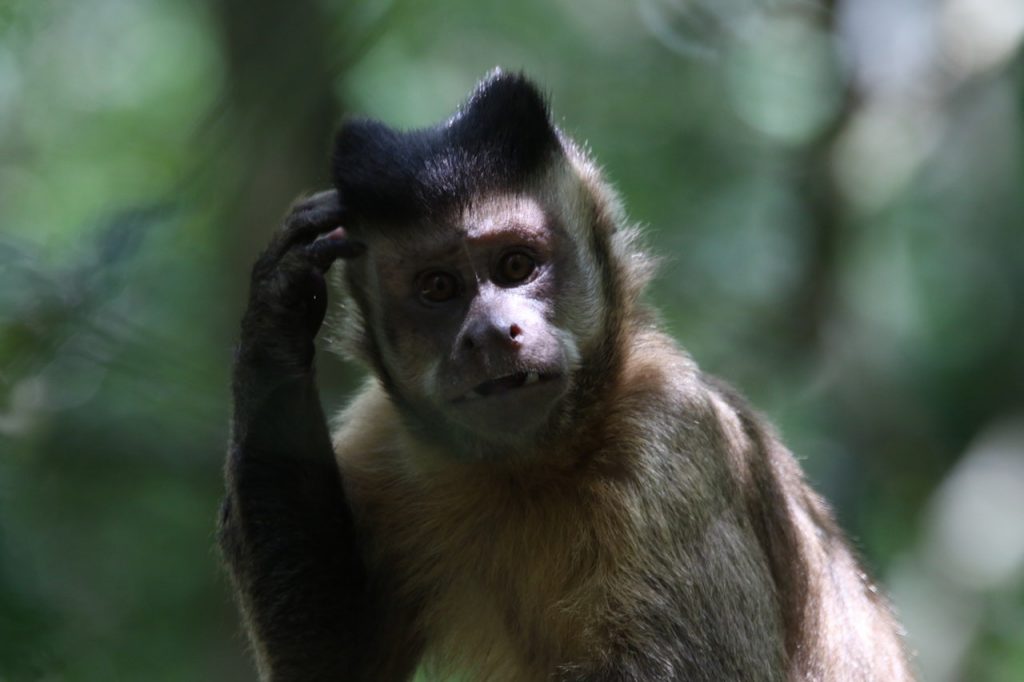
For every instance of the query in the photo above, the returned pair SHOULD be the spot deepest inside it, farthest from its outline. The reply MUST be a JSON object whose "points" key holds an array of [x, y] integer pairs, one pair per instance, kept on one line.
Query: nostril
{"points": [[467, 342], [514, 331]]}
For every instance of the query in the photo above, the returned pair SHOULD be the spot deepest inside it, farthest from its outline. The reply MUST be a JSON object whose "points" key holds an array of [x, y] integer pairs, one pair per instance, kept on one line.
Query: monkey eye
{"points": [[438, 286], [516, 267]]}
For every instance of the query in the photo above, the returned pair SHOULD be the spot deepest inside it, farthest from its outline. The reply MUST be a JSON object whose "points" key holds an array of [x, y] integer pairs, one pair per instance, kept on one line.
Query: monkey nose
{"points": [[503, 336]]}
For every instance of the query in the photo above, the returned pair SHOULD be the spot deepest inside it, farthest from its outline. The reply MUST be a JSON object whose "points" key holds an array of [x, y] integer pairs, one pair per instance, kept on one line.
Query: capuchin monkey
{"points": [[536, 483]]}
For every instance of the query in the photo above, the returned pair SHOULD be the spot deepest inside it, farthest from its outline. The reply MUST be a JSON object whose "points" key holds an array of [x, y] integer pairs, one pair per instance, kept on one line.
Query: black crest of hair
{"points": [[500, 137]]}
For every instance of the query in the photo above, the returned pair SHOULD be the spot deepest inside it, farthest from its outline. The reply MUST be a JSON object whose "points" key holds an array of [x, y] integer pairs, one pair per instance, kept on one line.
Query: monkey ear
{"points": [[506, 118]]}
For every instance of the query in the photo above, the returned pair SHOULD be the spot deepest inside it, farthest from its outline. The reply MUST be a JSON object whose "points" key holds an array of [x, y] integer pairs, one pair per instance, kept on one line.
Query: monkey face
{"points": [[480, 319], [480, 295]]}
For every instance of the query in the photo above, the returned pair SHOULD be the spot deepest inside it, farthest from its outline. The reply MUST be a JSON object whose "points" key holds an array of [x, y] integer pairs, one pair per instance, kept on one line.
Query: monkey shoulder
{"points": [[674, 413]]}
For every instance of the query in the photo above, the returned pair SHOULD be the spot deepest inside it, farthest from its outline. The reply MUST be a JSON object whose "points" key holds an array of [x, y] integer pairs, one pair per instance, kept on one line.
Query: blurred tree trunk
{"points": [[815, 296], [273, 127]]}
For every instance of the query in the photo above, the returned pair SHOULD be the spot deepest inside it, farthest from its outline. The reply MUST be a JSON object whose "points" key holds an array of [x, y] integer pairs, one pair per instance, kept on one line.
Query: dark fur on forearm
{"points": [[285, 528]]}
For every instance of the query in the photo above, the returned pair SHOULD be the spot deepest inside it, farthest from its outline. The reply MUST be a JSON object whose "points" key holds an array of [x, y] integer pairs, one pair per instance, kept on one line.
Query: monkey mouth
{"points": [[504, 384]]}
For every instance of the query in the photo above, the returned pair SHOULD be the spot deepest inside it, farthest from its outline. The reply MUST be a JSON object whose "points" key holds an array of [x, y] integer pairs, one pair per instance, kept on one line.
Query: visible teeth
{"points": [[501, 385]]}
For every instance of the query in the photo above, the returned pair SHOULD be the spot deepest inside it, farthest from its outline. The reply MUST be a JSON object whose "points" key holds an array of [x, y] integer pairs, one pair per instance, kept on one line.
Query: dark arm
{"points": [[312, 610]]}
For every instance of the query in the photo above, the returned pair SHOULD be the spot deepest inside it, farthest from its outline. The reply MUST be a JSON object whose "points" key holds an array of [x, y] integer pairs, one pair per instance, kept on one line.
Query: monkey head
{"points": [[487, 287]]}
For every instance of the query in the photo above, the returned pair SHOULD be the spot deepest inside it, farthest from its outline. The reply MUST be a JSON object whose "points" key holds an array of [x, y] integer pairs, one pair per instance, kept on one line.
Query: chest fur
{"points": [[509, 569]]}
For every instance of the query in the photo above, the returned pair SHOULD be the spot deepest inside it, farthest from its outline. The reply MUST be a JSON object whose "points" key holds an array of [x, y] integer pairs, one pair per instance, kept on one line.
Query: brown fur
{"points": [[530, 567], [537, 484], [658, 530], [627, 518]]}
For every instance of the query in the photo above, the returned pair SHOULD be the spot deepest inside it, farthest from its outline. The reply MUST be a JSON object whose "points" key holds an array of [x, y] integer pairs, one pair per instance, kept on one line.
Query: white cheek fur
{"points": [[570, 348], [429, 379]]}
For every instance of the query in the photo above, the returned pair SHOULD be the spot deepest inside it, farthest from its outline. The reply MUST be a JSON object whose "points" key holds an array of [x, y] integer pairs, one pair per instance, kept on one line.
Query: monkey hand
{"points": [[288, 291]]}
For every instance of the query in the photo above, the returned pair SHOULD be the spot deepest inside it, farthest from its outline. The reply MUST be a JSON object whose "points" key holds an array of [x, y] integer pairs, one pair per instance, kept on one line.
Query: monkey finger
{"points": [[302, 233], [305, 227], [327, 199], [333, 246], [309, 219]]}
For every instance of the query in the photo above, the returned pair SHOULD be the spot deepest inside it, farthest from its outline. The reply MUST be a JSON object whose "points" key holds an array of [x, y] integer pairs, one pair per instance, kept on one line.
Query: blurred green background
{"points": [[837, 190]]}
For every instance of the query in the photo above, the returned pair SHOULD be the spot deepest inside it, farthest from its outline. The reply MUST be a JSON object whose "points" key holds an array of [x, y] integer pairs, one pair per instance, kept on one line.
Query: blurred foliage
{"points": [[835, 188]]}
